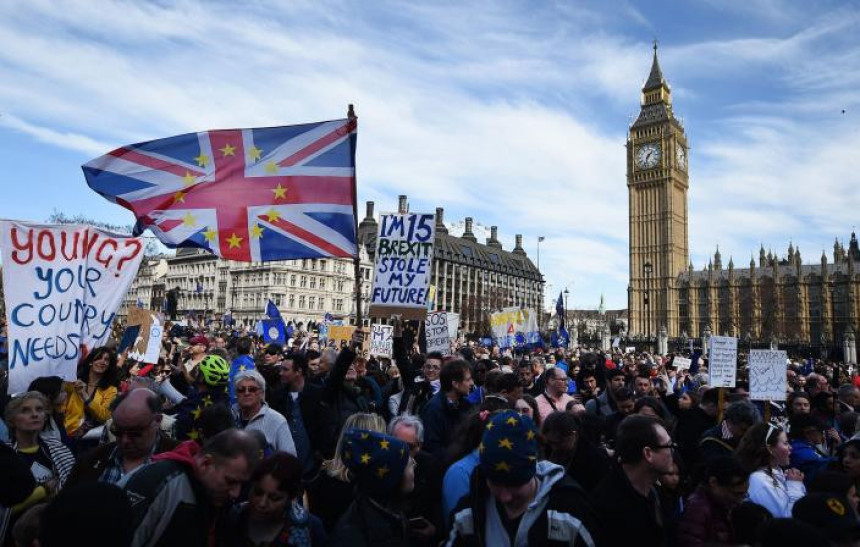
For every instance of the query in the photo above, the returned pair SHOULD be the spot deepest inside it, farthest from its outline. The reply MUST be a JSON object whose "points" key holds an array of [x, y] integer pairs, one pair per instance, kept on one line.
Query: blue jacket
{"points": [[441, 418], [807, 459]]}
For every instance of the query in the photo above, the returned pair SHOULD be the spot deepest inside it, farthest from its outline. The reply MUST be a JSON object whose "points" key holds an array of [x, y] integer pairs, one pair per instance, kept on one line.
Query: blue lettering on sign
{"points": [[87, 318]]}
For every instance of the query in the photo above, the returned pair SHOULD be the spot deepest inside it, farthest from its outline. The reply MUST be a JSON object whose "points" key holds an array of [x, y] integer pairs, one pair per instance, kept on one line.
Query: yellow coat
{"points": [[98, 409]]}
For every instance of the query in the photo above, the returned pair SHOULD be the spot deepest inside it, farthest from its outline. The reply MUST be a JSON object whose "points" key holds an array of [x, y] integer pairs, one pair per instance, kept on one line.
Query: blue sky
{"points": [[514, 113]]}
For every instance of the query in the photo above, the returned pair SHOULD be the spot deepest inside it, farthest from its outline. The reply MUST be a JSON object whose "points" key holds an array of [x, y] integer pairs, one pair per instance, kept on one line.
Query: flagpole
{"points": [[353, 122]]}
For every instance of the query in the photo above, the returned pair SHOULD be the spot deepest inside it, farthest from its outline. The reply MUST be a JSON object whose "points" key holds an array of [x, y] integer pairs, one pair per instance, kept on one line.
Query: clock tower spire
{"points": [[657, 183]]}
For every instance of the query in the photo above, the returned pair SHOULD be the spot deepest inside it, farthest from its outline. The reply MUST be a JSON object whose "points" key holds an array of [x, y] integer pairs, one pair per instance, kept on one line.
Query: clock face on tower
{"points": [[648, 155], [681, 156]]}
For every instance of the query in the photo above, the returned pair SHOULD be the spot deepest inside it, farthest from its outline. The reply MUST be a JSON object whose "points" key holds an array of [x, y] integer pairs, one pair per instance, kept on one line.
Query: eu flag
{"points": [[272, 311]]}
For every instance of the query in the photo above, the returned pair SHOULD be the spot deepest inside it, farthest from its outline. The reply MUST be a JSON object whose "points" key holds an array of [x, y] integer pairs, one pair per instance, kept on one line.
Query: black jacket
{"points": [[626, 517], [367, 523], [316, 415]]}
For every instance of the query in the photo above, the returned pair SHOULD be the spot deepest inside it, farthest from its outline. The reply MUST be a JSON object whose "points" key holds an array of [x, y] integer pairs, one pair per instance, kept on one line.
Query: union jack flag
{"points": [[244, 194]]}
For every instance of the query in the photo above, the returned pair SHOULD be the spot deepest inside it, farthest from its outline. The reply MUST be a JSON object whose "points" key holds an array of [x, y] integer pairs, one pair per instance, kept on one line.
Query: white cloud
{"points": [[511, 115]]}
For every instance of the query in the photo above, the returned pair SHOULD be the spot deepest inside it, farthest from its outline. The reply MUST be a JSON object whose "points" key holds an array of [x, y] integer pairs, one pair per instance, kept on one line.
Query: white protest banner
{"points": [[381, 341], [767, 370], [436, 333], [630, 349], [63, 285], [453, 325], [722, 361], [404, 260], [682, 363], [510, 322], [616, 342]]}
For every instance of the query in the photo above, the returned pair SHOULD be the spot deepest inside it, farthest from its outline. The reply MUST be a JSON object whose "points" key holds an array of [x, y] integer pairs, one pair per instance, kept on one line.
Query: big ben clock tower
{"points": [[657, 183]]}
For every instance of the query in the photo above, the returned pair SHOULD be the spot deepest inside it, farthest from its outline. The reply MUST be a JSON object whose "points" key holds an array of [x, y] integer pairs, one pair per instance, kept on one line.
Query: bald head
{"points": [[136, 418]]}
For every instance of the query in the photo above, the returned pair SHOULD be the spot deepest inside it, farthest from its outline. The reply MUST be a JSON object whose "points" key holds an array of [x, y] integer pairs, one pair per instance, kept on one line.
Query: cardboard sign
{"points": [[381, 341], [63, 285], [767, 370], [339, 336], [404, 262], [512, 325], [630, 349], [682, 363], [146, 347], [436, 333], [723, 361], [143, 319]]}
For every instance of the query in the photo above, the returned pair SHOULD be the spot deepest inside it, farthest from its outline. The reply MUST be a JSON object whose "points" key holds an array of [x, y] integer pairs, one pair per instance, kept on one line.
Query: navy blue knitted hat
{"points": [[509, 449], [376, 461]]}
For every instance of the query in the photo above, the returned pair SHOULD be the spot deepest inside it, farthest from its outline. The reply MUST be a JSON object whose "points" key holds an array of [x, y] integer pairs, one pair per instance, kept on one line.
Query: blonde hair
{"points": [[15, 404], [335, 467]]}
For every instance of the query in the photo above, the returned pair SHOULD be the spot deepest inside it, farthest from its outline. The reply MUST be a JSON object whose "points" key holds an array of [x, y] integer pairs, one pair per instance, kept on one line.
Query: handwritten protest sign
{"points": [[682, 363], [514, 327], [404, 260], [767, 370], [723, 361], [381, 341], [63, 285], [436, 333], [147, 344]]}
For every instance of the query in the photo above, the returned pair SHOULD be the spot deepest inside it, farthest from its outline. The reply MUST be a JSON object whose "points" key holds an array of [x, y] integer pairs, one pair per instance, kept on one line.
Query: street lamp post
{"points": [[566, 325], [647, 298]]}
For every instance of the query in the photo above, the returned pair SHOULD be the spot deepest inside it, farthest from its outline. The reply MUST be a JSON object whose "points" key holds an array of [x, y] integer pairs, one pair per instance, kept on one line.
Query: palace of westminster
{"points": [[778, 298]]}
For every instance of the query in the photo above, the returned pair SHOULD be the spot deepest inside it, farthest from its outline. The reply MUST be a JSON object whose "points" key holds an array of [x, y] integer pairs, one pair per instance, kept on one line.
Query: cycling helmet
{"points": [[214, 371]]}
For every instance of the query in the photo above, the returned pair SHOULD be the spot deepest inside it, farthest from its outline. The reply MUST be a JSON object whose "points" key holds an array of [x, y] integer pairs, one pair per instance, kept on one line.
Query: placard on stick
{"points": [[404, 261], [682, 363], [436, 332], [723, 361], [767, 370], [381, 341]]}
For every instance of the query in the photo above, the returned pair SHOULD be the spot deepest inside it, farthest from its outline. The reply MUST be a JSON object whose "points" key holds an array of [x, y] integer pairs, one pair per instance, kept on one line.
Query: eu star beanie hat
{"points": [[376, 461], [509, 449], [829, 513]]}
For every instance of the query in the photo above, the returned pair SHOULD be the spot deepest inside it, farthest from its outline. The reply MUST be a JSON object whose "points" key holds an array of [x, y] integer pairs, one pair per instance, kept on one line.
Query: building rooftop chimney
{"points": [[493, 240], [440, 221], [467, 233], [518, 248], [402, 205]]}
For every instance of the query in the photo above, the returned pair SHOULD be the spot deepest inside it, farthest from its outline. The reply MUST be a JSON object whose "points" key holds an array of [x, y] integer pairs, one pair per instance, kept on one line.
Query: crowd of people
{"points": [[228, 441]]}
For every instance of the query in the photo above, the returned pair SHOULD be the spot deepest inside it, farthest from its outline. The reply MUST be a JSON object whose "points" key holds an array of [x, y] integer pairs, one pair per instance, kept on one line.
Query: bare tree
{"points": [[151, 248]]}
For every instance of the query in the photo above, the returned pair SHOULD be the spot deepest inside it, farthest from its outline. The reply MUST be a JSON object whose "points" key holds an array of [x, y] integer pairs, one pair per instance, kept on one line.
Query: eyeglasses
{"points": [[670, 446], [248, 389]]}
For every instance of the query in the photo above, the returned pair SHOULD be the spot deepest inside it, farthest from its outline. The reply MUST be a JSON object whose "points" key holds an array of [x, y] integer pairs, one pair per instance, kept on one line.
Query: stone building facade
{"points": [[210, 287], [777, 299]]}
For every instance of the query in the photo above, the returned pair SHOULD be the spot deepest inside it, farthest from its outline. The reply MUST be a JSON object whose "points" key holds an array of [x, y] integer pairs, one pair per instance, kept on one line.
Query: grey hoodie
{"points": [[562, 527]]}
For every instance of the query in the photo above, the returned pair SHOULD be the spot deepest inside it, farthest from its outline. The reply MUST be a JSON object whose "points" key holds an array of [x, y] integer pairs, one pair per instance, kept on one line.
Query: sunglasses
{"points": [[670, 446], [248, 389], [131, 433]]}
